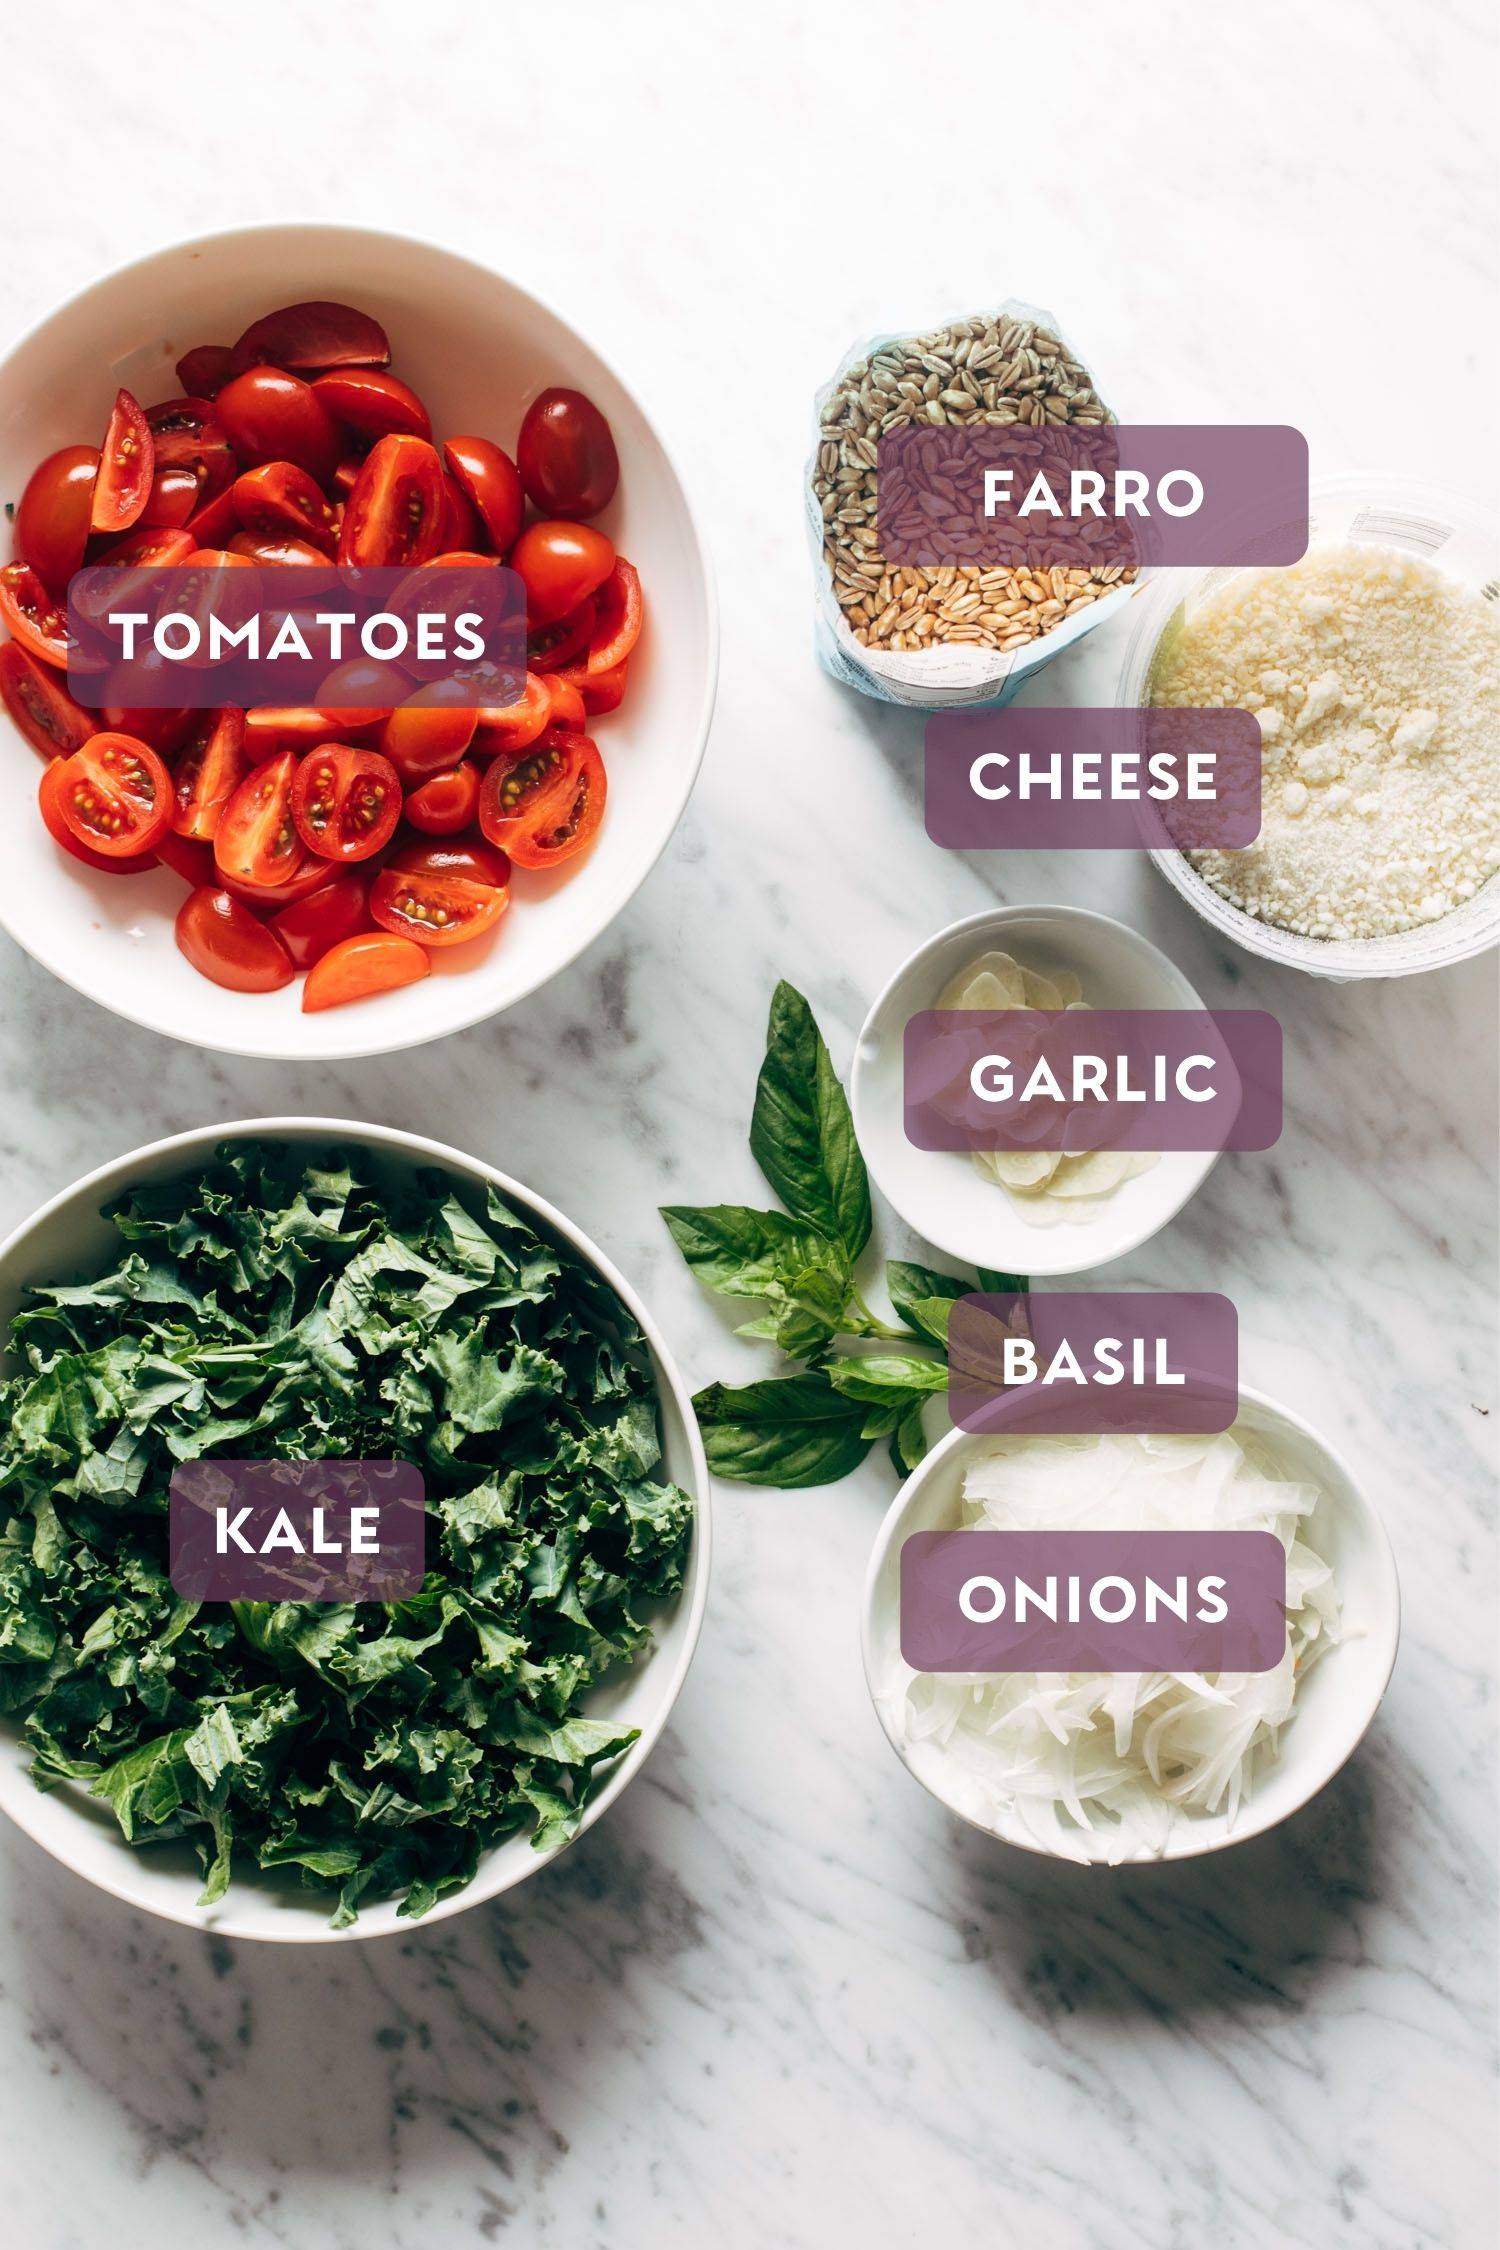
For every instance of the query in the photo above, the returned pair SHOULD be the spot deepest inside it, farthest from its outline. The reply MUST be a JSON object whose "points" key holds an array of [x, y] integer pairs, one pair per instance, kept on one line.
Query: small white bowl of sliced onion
{"points": [[1009, 1753]]}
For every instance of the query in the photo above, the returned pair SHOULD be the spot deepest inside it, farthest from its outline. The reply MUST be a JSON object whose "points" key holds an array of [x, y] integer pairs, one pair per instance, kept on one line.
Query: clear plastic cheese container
{"points": [[1416, 519]]}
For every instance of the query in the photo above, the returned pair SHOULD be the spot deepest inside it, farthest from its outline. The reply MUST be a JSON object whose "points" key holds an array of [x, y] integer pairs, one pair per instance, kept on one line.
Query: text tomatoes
{"points": [[225, 943], [560, 564], [127, 464], [52, 518], [448, 803], [395, 513], [40, 705], [346, 803], [566, 455], [257, 840], [115, 795], [491, 484], [210, 767], [441, 894], [374, 961]]}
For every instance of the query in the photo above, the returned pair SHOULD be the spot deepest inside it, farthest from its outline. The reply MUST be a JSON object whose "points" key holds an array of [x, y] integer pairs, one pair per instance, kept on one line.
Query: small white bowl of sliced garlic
{"points": [[1108, 1769], [1033, 1213]]}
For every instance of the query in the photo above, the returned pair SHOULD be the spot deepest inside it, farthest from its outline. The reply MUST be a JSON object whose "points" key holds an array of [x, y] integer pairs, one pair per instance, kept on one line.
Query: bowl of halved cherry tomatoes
{"points": [[365, 874]]}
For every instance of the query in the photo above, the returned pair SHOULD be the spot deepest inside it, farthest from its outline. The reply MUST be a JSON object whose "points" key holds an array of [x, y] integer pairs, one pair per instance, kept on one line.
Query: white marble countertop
{"points": [[777, 1995]]}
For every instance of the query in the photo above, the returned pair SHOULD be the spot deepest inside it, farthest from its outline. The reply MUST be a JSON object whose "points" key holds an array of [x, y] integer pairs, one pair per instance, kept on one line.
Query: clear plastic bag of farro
{"points": [[918, 637]]}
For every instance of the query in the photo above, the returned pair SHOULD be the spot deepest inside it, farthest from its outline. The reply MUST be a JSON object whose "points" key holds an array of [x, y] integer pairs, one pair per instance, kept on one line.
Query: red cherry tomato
{"points": [[601, 691], [422, 739], [439, 896], [552, 647], [375, 961], [617, 627], [316, 334], [193, 862], [448, 803], [127, 463], [561, 564], [49, 803], [314, 924], [462, 529], [149, 547], [52, 518], [217, 520], [205, 369], [372, 404], [257, 840], [277, 553], [313, 874], [274, 728], [163, 729], [115, 795], [173, 498], [185, 435], [566, 455], [564, 703], [346, 475], [226, 944], [41, 706], [502, 731], [548, 807], [210, 768], [489, 482], [279, 499], [32, 615], [346, 803], [269, 416], [394, 515]]}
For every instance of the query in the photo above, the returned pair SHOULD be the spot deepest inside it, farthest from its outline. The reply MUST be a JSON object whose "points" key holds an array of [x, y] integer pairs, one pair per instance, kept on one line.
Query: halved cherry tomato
{"points": [[314, 874], [422, 739], [34, 617], [127, 463], [226, 944], [275, 553], [316, 334], [448, 803], [52, 517], [347, 693], [185, 435], [217, 520], [49, 803], [566, 455], [271, 416], [41, 706], [440, 895], [518, 795], [281, 498], [561, 565], [601, 691], [173, 498], [488, 479], [395, 513], [463, 558], [208, 772], [162, 728], [205, 369], [115, 795], [314, 924], [374, 961], [564, 703], [505, 729], [257, 840], [194, 862], [618, 625], [149, 547], [551, 647], [373, 404], [346, 475], [275, 727], [462, 529], [560, 831], [346, 803]]}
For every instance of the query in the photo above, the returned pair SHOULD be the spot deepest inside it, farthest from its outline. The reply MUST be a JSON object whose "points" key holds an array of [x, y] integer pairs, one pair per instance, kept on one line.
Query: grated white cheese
{"points": [[1375, 680]]}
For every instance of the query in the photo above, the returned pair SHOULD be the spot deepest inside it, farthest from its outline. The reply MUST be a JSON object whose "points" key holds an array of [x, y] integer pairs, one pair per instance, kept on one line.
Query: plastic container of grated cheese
{"points": [[1415, 519]]}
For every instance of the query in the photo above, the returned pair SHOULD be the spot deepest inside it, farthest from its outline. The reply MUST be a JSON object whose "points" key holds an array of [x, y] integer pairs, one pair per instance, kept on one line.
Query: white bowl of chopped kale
{"points": [[299, 1288]]}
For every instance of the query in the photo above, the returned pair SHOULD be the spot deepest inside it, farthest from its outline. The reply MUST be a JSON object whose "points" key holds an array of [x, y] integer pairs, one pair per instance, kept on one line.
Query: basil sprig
{"points": [[814, 1426]]}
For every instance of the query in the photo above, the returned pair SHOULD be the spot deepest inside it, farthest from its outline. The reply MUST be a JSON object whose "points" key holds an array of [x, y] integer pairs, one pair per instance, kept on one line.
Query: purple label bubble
{"points": [[1079, 1079], [203, 636], [296, 1531], [1038, 779], [1094, 1361], [1121, 496], [1093, 1601]]}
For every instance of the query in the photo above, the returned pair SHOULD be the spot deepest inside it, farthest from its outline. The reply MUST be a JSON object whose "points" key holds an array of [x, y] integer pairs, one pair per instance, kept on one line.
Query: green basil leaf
{"points": [[923, 1297], [746, 1253], [909, 1443], [790, 1431], [801, 1133], [882, 1377], [812, 1310], [1002, 1284]]}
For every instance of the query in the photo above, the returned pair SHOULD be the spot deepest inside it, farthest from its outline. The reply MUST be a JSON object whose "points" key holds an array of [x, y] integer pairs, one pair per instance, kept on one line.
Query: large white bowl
{"points": [[1335, 1703], [67, 1236], [478, 349]]}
